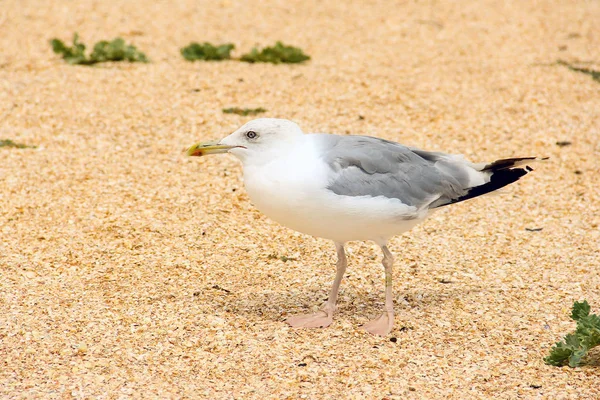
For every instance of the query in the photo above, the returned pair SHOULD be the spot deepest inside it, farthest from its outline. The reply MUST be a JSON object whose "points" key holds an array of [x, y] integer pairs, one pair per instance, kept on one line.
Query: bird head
{"points": [[259, 139]]}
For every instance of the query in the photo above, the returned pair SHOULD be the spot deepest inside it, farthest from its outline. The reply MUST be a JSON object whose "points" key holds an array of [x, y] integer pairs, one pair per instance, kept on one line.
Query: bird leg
{"points": [[384, 323], [324, 317]]}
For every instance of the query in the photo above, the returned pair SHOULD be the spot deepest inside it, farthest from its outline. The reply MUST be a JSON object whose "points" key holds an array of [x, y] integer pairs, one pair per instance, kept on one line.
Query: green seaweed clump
{"points": [[115, 50], [207, 52], [577, 344], [244, 111], [277, 54], [74, 54], [10, 143]]}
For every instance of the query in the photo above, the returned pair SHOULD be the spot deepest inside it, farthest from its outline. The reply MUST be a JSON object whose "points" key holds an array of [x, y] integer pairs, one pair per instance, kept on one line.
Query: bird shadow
{"points": [[280, 304]]}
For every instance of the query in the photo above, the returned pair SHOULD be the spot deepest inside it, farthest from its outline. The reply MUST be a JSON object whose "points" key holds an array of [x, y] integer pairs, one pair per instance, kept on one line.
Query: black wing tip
{"points": [[507, 163], [503, 172], [499, 179]]}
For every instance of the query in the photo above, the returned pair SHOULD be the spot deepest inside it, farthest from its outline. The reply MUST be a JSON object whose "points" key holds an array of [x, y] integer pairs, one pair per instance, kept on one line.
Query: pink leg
{"points": [[385, 322], [324, 317]]}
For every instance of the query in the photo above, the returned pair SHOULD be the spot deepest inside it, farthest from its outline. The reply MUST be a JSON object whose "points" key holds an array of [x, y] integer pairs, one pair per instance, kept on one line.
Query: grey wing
{"points": [[368, 166]]}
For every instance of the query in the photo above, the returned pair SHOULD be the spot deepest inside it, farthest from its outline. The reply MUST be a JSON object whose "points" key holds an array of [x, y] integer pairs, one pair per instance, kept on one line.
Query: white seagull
{"points": [[346, 188]]}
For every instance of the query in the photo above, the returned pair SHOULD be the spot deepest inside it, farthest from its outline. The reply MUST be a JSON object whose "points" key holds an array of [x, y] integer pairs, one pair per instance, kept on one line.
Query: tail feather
{"points": [[502, 173]]}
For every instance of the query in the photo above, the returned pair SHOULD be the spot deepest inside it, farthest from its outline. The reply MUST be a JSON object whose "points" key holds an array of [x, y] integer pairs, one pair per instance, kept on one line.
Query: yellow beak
{"points": [[204, 148]]}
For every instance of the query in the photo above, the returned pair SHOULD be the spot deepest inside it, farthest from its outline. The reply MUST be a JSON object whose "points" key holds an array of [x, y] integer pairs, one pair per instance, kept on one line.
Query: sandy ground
{"points": [[130, 271]]}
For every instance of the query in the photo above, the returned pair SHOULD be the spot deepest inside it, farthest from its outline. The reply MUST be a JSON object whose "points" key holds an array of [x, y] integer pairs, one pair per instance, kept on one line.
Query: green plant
{"points": [[279, 53], [595, 75], [244, 111], [10, 143], [577, 344], [115, 50], [207, 52], [74, 54]]}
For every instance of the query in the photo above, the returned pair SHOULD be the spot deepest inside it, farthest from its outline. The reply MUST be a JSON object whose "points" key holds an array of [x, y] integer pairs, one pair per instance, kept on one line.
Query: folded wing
{"points": [[367, 166]]}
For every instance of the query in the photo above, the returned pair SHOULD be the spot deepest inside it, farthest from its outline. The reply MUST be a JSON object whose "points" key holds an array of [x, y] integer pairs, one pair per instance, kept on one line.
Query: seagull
{"points": [[352, 188]]}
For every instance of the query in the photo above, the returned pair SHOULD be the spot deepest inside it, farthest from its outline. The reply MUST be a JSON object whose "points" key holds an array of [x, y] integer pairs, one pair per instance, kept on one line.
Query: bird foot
{"points": [[380, 326], [320, 319]]}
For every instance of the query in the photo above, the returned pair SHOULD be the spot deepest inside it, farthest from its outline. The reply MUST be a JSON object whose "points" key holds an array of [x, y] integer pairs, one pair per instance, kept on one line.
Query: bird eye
{"points": [[251, 134]]}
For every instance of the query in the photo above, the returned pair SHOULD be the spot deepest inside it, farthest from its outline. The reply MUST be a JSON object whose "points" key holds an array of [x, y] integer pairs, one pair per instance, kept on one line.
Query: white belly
{"points": [[300, 201]]}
